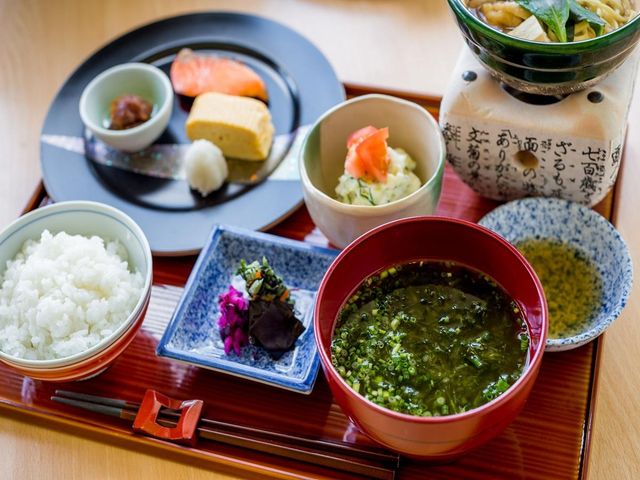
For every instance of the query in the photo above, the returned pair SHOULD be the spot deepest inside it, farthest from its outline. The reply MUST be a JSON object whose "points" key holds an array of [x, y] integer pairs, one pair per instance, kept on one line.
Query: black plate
{"points": [[301, 84]]}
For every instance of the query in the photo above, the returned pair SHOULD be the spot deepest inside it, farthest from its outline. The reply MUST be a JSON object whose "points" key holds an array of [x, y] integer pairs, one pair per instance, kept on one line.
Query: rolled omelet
{"points": [[241, 127]]}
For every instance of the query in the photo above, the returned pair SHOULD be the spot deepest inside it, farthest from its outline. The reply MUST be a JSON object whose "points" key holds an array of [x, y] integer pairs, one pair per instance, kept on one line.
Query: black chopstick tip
{"points": [[378, 465], [62, 400]]}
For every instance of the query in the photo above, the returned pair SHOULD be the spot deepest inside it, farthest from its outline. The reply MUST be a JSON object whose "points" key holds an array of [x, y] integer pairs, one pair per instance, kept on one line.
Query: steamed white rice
{"points": [[63, 294]]}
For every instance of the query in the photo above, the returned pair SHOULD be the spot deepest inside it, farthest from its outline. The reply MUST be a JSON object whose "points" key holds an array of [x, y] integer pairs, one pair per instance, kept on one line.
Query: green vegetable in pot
{"points": [[553, 13], [554, 20], [579, 14]]}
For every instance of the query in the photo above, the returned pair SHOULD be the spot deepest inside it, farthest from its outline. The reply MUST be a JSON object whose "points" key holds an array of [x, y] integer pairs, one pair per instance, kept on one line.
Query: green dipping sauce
{"points": [[430, 338]]}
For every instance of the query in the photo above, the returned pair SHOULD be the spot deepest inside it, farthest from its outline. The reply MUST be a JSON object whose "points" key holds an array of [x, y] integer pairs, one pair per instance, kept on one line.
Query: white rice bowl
{"points": [[63, 294]]}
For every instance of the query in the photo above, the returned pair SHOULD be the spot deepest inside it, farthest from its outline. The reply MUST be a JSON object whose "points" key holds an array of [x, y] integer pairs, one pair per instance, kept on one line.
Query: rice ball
{"points": [[205, 167]]}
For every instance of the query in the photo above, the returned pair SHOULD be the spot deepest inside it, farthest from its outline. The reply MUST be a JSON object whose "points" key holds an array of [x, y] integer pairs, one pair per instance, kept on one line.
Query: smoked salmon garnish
{"points": [[367, 157], [359, 135], [193, 74]]}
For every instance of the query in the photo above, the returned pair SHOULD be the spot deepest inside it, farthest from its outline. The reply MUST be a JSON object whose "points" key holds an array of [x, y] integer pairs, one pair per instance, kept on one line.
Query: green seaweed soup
{"points": [[430, 338]]}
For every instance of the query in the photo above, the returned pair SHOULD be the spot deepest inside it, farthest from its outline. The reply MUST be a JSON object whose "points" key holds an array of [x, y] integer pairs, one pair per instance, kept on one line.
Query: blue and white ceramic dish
{"points": [[584, 229], [192, 335]]}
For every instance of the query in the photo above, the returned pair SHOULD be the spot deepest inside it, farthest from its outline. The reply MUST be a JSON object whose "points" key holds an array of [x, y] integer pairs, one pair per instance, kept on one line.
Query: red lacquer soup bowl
{"points": [[431, 238]]}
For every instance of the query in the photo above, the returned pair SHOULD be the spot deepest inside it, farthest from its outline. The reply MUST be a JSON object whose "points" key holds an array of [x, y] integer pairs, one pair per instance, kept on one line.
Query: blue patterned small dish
{"points": [[192, 335], [587, 231]]}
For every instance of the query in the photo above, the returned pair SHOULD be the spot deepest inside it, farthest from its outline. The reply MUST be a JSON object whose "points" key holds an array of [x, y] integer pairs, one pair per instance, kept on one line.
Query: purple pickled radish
{"points": [[236, 348], [228, 344], [240, 336], [233, 322], [234, 317], [233, 297]]}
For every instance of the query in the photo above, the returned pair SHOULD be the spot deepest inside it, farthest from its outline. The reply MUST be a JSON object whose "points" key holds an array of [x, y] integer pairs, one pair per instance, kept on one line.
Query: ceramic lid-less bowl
{"points": [[83, 218], [545, 68], [431, 238], [146, 81], [324, 150], [588, 232], [193, 336]]}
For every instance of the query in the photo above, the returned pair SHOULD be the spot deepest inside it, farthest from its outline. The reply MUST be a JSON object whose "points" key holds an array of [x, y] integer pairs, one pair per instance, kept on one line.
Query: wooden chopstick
{"points": [[371, 453], [378, 466]]}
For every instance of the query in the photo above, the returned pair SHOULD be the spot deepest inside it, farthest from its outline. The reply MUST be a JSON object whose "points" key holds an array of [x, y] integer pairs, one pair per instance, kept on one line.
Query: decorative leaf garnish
{"points": [[553, 13]]}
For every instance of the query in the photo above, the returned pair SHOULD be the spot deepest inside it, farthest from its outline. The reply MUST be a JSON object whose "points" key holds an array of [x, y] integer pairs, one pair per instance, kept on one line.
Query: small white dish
{"points": [[585, 230], [140, 79]]}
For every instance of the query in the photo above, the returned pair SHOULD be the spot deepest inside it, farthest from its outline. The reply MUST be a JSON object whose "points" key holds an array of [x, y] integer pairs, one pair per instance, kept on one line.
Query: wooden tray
{"points": [[549, 439]]}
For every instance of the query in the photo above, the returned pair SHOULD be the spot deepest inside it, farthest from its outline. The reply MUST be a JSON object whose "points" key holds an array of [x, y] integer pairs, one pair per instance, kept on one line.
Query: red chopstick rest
{"points": [[147, 417]]}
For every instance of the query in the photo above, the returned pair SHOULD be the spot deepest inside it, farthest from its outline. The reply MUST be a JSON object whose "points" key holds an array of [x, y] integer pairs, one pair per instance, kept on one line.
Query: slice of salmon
{"points": [[193, 74], [367, 157], [359, 135]]}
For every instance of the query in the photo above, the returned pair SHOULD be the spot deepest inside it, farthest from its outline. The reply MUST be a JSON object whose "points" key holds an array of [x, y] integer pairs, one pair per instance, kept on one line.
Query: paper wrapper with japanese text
{"points": [[506, 148]]}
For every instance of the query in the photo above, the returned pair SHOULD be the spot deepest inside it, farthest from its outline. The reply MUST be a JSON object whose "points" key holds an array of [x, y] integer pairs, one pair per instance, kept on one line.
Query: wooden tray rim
{"points": [[212, 460]]}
